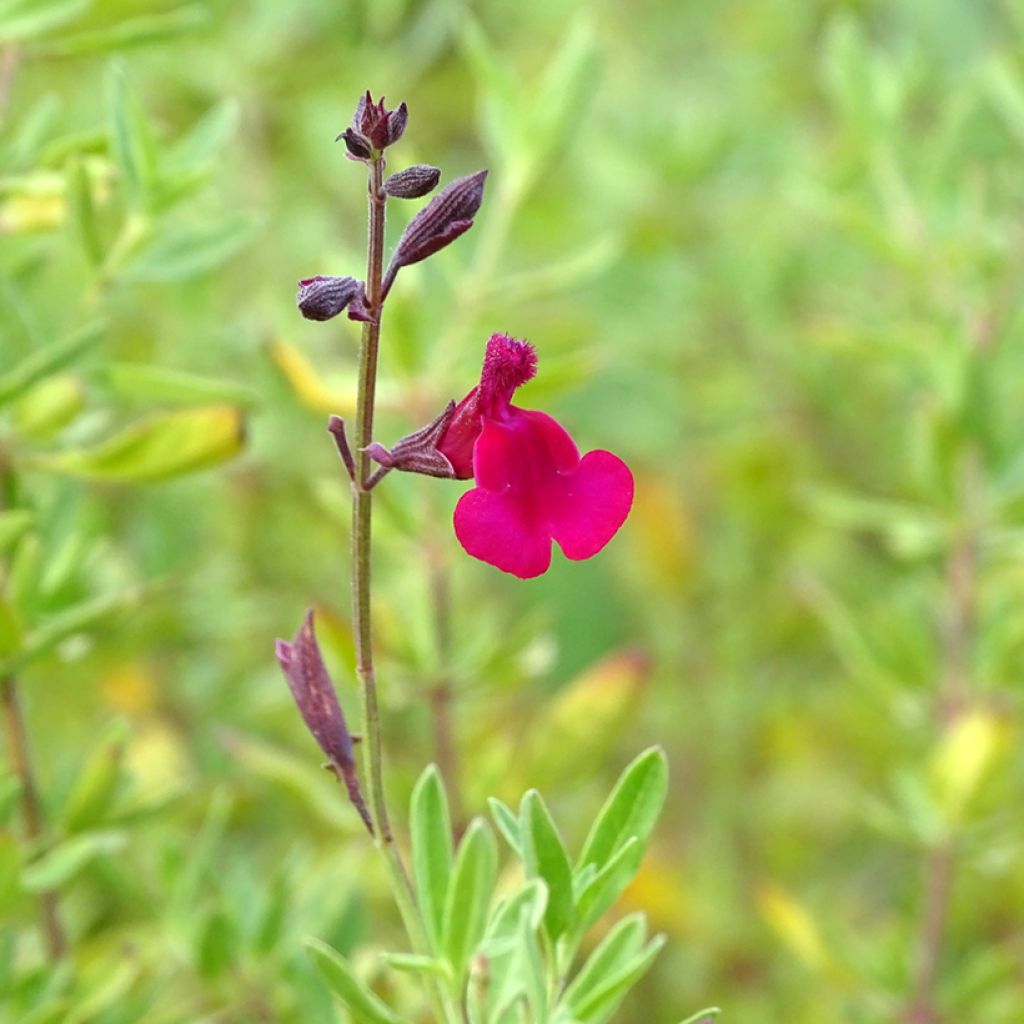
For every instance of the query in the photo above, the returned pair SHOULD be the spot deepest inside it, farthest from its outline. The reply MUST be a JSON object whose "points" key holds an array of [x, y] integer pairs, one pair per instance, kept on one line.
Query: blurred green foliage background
{"points": [[771, 254]]}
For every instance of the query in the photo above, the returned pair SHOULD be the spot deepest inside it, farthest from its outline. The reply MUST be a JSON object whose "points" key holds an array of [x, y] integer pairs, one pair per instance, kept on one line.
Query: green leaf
{"points": [[620, 945], [568, 82], [217, 945], [78, 618], [544, 857], [110, 986], [47, 360], [64, 861], [10, 629], [131, 143], [97, 782], [630, 810], [704, 1016], [83, 210], [508, 824], [505, 920], [10, 869], [139, 31], [14, 523], [161, 446], [10, 790], [24, 573], [142, 383], [535, 982], [503, 945], [186, 251], [364, 1006], [599, 1002], [202, 143], [45, 409], [432, 853], [24, 19], [604, 888], [469, 895], [413, 963]]}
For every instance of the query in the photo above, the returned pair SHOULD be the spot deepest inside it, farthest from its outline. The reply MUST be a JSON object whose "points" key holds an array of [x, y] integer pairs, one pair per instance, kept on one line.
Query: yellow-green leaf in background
{"points": [[965, 753], [793, 923], [161, 446], [49, 406], [307, 382], [97, 781]]}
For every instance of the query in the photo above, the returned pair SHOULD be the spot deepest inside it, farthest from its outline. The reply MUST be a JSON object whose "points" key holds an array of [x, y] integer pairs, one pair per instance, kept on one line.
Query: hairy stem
{"points": [[364, 479], [31, 809], [362, 511]]}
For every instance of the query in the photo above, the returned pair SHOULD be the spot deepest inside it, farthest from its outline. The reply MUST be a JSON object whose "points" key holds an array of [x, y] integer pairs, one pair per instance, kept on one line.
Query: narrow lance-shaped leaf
{"points": [[49, 359], [544, 857], [469, 895], [432, 853], [622, 943], [597, 1004], [365, 1007], [139, 31], [631, 809], [131, 144], [83, 209]]}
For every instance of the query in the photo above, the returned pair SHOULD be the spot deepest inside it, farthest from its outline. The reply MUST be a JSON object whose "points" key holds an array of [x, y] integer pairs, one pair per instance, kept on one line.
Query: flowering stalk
{"points": [[362, 512]]}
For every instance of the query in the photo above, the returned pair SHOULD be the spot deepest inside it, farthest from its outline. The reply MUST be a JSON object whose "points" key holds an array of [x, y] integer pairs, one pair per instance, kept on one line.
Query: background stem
{"points": [[954, 696], [16, 736]]}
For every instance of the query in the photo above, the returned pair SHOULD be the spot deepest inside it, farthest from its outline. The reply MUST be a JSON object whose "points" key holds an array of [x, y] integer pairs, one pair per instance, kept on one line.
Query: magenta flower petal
{"points": [[490, 526], [532, 487], [596, 501]]}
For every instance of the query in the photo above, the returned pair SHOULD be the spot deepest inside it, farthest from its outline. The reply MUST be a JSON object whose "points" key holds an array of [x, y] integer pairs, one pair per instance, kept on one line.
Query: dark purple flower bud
{"points": [[418, 452], [449, 214], [311, 686], [397, 120], [413, 182], [358, 146], [321, 298], [374, 127]]}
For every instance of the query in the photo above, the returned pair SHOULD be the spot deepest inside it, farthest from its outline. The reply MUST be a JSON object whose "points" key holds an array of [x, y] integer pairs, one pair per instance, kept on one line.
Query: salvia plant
{"points": [[488, 944]]}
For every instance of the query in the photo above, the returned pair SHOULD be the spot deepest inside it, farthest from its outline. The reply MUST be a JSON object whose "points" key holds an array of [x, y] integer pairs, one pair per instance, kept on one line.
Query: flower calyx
{"points": [[414, 182], [323, 297], [373, 128], [314, 694], [419, 452], [449, 214]]}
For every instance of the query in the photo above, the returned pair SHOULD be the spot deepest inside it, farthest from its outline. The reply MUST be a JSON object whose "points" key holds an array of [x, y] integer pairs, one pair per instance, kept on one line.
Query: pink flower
{"points": [[532, 487]]}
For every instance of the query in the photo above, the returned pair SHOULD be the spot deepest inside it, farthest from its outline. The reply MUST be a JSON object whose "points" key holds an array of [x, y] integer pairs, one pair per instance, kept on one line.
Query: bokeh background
{"points": [[770, 253]]}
